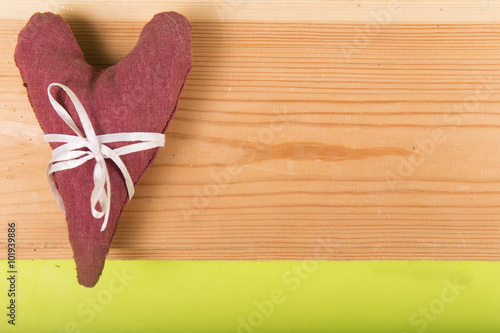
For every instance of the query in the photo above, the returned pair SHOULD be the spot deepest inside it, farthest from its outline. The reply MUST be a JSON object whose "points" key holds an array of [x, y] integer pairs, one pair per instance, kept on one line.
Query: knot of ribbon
{"points": [[78, 149]]}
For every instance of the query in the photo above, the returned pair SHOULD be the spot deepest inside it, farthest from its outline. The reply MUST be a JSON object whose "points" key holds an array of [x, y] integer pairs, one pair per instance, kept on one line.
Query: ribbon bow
{"points": [[78, 149]]}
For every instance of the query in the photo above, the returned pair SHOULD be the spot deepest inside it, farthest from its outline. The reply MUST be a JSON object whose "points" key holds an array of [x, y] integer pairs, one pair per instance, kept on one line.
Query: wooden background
{"points": [[307, 130]]}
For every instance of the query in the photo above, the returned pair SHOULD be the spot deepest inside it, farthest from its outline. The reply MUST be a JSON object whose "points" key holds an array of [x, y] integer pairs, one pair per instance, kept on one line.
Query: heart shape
{"points": [[138, 94]]}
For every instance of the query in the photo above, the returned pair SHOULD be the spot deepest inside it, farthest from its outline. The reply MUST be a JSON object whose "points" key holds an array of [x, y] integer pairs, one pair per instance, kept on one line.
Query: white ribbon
{"points": [[78, 149]]}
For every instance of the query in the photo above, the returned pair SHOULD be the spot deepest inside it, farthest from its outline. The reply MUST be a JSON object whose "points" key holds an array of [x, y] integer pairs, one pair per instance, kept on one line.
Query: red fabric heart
{"points": [[139, 94]]}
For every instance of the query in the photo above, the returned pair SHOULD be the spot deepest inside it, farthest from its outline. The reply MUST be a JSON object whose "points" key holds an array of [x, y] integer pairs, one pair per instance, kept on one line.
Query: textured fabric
{"points": [[139, 94]]}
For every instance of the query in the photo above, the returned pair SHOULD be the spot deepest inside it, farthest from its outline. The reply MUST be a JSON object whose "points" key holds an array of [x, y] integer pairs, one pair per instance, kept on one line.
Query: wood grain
{"points": [[293, 140]]}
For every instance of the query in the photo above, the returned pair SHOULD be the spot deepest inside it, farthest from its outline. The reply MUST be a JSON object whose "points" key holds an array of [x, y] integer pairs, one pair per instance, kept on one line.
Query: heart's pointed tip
{"points": [[89, 271], [90, 249], [90, 245]]}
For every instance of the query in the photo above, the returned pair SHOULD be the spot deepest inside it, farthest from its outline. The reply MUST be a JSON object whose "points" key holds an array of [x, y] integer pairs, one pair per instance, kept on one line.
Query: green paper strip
{"points": [[250, 296]]}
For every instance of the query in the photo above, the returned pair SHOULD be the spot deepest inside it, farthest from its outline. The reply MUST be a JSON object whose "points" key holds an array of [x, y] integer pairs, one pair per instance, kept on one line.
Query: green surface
{"points": [[250, 296]]}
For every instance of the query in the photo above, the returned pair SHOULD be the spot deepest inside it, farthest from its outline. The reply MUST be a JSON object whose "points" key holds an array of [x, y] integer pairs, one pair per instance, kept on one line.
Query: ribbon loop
{"points": [[78, 149]]}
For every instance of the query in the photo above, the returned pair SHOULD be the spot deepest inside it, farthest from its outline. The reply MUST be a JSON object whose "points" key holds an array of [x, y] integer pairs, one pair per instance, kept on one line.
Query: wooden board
{"points": [[326, 130]]}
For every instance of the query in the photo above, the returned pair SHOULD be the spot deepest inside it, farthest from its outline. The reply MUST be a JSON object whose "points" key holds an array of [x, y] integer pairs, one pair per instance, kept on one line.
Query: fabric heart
{"points": [[139, 94]]}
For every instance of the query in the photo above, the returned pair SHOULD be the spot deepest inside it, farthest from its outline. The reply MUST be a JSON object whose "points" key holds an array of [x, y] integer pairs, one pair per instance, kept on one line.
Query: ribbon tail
{"points": [[108, 198], [52, 185], [111, 154]]}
